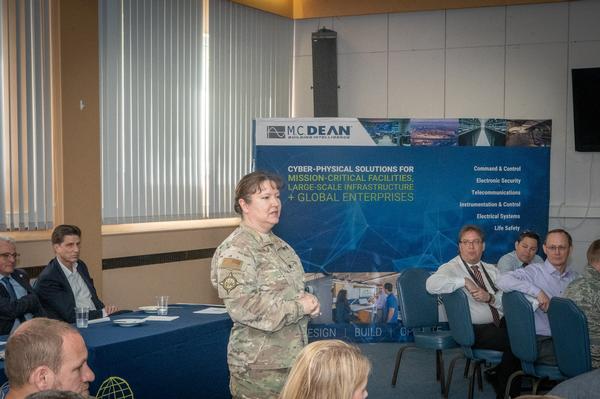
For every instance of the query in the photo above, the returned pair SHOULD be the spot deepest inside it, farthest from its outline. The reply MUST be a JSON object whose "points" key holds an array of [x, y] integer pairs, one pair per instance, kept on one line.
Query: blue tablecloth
{"points": [[184, 358]]}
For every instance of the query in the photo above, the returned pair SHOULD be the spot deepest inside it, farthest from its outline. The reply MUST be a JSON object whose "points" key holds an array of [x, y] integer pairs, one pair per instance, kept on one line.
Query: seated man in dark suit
{"points": [[18, 301], [66, 283]]}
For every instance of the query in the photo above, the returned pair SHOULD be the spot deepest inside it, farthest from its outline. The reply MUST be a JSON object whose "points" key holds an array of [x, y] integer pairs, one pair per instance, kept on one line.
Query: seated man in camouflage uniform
{"points": [[585, 292]]}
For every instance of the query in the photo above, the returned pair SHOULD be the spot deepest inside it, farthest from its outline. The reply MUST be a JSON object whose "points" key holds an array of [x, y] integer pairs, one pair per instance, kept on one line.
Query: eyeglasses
{"points": [[468, 243], [7, 255], [559, 248]]}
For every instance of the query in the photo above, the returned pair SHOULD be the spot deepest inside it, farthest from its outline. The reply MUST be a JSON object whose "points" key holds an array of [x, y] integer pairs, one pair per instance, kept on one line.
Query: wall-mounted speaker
{"points": [[586, 108], [325, 84]]}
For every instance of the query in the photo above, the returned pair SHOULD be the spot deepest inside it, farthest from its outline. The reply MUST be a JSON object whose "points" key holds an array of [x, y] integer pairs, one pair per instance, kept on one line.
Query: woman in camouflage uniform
{"points": [[585, 292], [261, 281]]}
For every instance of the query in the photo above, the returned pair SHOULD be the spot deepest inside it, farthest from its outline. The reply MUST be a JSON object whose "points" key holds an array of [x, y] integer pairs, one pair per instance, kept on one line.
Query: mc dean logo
{"points": [[276, 132]]}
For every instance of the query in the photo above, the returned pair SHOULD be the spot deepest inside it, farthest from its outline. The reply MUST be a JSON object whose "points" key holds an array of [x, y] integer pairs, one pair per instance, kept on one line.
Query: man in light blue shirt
{"points": [[544, 281], [390, 311], [379, 303], [525, 253]]}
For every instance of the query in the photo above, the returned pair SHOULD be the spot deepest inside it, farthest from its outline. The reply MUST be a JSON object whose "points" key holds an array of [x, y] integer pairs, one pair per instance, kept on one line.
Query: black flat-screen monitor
{"points": [[586, 108]]}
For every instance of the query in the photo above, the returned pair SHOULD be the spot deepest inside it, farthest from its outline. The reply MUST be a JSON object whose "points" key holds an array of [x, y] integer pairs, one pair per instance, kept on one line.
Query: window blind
{"points": [[26, 198], [181, 81]]}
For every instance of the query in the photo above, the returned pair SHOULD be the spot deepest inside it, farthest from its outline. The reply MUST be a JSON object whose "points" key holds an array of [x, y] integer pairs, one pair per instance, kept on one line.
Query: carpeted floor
{"points": [[416, 378]]}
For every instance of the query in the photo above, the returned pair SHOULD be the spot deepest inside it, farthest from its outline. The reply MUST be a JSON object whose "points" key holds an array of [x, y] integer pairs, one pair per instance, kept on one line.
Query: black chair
{"points": [[461, 326], [419, 311], [520, 323], [4, 390], [571, 337]]}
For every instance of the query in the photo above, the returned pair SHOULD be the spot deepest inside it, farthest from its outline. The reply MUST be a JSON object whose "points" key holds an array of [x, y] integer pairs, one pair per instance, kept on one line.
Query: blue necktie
{"points": [[11, 290], [12, 294]]}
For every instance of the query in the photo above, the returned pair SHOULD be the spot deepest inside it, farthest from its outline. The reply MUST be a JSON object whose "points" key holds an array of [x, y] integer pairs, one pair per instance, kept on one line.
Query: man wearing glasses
{"points": [[18, 301], [525, 253], [468, 272], [542, 281]]}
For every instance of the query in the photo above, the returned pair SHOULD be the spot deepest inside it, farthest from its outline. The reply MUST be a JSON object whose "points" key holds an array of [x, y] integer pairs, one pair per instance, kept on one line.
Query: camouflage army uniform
{"points": [[260, 277], [585, 292]]}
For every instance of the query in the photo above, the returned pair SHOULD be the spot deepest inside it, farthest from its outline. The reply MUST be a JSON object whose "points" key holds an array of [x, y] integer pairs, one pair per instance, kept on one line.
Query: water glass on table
{"points": [[162, 302], [82, 314]]}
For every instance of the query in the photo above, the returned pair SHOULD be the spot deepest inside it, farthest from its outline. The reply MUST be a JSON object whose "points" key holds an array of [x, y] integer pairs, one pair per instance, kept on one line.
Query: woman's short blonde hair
{"points": [[329, 369]]}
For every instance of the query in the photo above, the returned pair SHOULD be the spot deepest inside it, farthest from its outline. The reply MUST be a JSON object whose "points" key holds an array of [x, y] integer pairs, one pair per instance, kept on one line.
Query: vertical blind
{"points": [[181, 81], [151, 87], [250, 76], [26, 200]]}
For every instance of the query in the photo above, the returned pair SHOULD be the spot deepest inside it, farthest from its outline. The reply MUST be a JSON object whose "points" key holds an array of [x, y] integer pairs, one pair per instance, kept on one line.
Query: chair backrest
{"points": [[418, 308], [459, 318], [571, 337], [518, 314]]}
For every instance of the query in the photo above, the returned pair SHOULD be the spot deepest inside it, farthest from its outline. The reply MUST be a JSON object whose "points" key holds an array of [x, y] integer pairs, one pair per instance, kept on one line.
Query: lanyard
{"points": [[487, 276]]}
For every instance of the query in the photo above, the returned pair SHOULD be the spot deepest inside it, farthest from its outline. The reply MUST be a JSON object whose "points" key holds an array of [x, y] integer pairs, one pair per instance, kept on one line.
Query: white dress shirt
{"points": [[451, 276], [81, 292]]}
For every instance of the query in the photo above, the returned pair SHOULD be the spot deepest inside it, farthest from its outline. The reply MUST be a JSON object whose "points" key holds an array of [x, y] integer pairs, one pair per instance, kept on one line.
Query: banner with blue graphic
{"points": [[365, 199]]}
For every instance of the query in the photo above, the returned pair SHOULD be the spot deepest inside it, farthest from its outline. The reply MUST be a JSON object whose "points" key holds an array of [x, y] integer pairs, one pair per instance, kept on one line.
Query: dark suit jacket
{"points": [[56, 294], [10, 311]]}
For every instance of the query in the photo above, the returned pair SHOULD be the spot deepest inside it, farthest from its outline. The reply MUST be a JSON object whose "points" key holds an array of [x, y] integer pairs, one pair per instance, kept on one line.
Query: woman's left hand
{"points": [[310, 304]]}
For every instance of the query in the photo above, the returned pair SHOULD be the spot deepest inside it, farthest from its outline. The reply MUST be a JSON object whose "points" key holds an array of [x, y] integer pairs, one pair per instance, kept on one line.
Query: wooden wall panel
{"points": [[278, 7], [302, 9], [79, 135]]}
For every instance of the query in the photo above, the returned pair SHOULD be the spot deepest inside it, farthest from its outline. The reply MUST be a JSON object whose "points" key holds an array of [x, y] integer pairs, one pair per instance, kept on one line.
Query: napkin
{"points": [[212, 311], [103, 319], [161, 318]]}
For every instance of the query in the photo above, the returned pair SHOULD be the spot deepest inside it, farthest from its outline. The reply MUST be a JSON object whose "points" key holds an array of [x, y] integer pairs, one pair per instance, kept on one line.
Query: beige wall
{"points": [[131, 287], [183, 281], [187, 282], [34, 252]]}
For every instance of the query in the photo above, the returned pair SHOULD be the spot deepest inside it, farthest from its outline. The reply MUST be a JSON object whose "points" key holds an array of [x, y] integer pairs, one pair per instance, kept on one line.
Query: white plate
{"points": [[149, 309], [129, 322]]}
